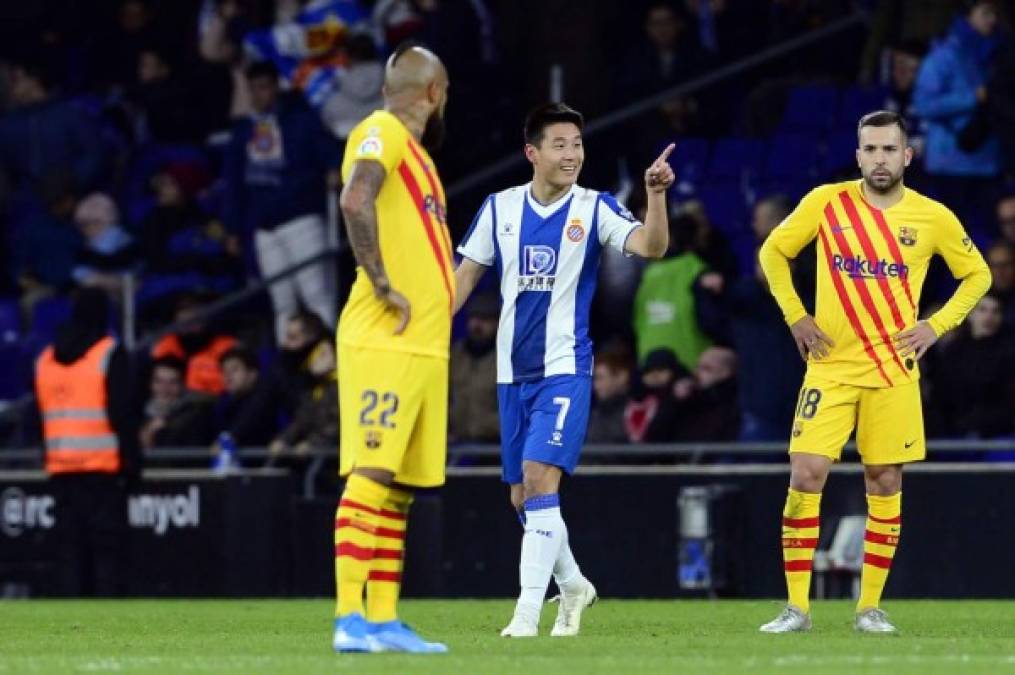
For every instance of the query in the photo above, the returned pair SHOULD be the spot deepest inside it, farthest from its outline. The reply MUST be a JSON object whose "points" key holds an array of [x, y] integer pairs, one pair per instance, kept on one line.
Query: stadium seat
{"points": [[839, 154], [735, 159], [47, 314], [810, 107], [15, 371], [857, 102], [10, 321], [725, 206], [791, 156], [689, 159]]}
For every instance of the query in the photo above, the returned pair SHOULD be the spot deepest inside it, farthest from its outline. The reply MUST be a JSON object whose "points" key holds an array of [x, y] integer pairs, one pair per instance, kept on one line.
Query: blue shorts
{"points": [[543, 421]]}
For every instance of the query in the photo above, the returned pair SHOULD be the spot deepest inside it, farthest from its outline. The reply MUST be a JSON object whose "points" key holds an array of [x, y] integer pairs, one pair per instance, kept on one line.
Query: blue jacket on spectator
{"points": [[945, 96], [39, 138], [275, 168]]}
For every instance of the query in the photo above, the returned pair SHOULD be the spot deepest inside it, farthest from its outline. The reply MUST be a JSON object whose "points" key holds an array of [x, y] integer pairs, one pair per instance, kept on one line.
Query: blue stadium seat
{"points": [[689, 159], [725, 206], [10, 321], [15, 371], [839, 153], [734, 159], [857, 102], [791, 155], [811, 107], [47, 314]]}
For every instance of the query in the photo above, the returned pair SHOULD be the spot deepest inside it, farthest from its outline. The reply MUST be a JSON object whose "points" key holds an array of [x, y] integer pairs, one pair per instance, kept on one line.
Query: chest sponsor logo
{"points": [[433, 206], [575, 231], [907, 236], [863, 268], [539, 264]]}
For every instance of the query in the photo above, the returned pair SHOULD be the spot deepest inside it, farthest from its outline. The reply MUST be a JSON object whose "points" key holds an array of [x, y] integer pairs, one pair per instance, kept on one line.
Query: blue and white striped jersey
{"points": [[547, 258]]}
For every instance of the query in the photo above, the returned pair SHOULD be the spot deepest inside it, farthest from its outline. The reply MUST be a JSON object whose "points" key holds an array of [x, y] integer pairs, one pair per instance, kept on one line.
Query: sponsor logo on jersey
{"points": [[371, 146], [575, 231], [907, 236], [798, 428], [862, 268], [436, 209], [539, 263]]}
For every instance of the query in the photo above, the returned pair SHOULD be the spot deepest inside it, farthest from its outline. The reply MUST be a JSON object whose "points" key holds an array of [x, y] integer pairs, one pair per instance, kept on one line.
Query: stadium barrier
{"points": [[255, 533]]}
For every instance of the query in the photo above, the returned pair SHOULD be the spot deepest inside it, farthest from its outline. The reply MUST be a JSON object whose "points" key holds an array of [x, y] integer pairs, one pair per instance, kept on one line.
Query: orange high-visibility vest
{"points": [[72, 401], [204, 373]]}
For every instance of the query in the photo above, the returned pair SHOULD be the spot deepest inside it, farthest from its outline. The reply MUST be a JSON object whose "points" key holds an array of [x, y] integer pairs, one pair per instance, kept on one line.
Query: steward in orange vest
{"points": [[82, 385]]}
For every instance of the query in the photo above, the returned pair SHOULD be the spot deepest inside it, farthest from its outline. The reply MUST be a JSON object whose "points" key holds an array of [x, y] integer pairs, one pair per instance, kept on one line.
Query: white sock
{"points": [[544, 535], [565, 569]]}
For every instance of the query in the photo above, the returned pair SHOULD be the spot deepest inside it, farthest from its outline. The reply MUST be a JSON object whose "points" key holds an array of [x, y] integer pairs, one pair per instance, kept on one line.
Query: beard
{"points": [[882, 185], [433, 133]]}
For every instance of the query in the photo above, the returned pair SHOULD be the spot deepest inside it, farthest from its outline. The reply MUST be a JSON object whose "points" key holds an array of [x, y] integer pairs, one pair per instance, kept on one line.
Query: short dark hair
{"points": [[550, 113], [243, 355], [779, 201], [171, 362], [882, 118], [260, 69]]}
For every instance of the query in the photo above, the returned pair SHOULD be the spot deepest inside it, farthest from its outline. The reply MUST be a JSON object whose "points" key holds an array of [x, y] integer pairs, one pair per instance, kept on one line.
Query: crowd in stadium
{"points": [[193, 145]]}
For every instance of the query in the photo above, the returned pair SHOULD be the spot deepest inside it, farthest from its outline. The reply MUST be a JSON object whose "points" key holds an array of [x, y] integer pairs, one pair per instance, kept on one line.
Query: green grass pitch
{"points": [[293, 636]]}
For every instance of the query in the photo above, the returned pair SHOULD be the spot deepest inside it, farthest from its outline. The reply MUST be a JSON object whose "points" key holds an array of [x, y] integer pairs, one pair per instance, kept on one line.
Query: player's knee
{"points": [[807, 478], [883, 481]]}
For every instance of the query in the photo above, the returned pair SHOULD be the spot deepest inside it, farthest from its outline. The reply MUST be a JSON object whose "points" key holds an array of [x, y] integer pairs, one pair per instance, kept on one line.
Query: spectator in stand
{"points": [[44, 133], [182, 247], [668, 56], [974, 390], [768, 213], [767, 359], [904, 21], [962, 155], [664, 306], [117, 52], [1002, 104], [275, 178], [221, 26], [1006, 218], [474, 411], [197, 346], [290, 375], [172, 112], [611, 382], [175, 416], [709, 242], [898, 92], [710, 409], [316, 422], [1001, 260], [108, 252], [359, 87], [653, 414], [245, 409], [47, 243]]}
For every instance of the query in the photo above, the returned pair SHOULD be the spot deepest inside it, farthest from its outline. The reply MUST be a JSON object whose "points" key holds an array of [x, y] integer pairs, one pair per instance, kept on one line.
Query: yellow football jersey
{"points": [[871, 267], [414, 243]]}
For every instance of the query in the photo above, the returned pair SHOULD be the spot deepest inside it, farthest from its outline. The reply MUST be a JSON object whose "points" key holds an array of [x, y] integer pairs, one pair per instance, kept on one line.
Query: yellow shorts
{"points": [[394, 414], [888, 421]]}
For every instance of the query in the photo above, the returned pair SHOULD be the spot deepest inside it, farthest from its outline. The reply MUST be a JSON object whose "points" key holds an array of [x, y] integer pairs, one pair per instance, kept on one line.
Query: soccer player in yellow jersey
{"points": [[393, 339], [875, 240]]}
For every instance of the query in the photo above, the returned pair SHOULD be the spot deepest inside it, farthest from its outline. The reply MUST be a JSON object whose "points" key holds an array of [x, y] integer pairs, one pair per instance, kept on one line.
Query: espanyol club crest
{"points": [[907, 236], [575, 231]]}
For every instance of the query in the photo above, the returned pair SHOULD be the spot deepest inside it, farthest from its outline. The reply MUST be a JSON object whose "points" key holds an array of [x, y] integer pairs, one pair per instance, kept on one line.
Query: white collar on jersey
{"points": [[549, 209]]}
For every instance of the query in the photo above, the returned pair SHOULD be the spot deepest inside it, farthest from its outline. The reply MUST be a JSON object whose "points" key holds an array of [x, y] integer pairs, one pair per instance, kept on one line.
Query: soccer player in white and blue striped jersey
{"points": [[545, 239]]}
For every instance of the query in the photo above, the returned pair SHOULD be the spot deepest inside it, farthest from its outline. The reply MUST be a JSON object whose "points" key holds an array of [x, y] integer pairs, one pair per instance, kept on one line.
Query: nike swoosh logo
{"points": [[910, 443]]}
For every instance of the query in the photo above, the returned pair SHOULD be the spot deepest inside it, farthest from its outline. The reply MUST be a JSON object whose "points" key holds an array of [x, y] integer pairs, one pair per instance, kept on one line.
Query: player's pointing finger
{"points": [[665, 153]]}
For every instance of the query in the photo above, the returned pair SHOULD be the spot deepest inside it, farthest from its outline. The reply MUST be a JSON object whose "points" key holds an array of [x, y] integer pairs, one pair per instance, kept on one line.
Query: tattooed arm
{"points": [[358, 202]]}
